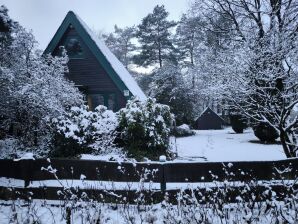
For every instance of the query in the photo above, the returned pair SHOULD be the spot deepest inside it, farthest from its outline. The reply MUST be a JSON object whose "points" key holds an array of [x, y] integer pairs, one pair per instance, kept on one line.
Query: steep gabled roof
{"points": [[115, 69], [209, 110]]}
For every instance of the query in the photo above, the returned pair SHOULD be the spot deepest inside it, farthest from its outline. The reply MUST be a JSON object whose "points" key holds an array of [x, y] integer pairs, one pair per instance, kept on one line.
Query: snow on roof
{"points": [[205, 110], [118, 67]]}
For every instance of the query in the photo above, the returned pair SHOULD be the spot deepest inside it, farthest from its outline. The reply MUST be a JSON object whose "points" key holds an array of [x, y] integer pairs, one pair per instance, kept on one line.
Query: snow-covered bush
{"points": [[10, 148], [145, 128], [33, 87], [183, 130], [83, 131]]}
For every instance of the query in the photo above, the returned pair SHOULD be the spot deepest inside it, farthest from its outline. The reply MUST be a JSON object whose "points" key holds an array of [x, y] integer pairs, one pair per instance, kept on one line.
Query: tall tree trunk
{"points": [[191, 57]]}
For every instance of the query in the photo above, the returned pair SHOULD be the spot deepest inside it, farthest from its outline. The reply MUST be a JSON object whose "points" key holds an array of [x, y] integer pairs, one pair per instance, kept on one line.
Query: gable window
{"points": [[74, 48]]}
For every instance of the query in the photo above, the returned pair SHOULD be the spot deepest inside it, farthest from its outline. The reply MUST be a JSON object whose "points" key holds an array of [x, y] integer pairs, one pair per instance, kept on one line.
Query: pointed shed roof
{"points": [[115, 69], [209, 110]]}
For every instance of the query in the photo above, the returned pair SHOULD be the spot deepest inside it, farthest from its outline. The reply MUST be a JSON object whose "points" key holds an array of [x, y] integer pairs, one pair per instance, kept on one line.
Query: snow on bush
{"points": [[83, 131], [10, 148], [145, 128], [33, 87], [183, 130]]}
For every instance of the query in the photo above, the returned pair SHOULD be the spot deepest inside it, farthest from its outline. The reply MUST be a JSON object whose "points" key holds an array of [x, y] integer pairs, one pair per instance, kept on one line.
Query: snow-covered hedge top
{"points": [[95, 128], [184, 127]]}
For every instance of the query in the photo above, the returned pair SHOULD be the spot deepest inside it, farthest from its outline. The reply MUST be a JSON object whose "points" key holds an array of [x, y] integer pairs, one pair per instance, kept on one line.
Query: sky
{"points": [[44, 17]]}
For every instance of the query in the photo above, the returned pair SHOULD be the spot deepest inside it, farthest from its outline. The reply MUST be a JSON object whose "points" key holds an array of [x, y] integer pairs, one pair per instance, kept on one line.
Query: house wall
{"points": [[87, 72]]}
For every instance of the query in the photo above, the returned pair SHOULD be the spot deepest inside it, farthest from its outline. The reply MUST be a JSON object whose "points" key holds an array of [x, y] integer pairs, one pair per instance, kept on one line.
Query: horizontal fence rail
{"points": [[157, 172], [237, 171], [71, 169]]}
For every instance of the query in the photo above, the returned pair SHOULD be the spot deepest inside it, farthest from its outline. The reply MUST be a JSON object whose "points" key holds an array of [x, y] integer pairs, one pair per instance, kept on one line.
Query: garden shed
{"points": [[209, 120]]}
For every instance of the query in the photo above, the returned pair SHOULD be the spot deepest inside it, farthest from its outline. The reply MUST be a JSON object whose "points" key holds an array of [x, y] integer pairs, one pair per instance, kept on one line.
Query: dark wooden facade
{"points": [[92, 67], [89, 75], [209, 120]]}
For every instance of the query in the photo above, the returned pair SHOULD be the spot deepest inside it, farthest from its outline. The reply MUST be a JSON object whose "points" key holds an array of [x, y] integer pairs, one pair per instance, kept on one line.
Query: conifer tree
{"points": [[189, 34], [120, 43], [7, 25], [169, 87], [155, 38]]}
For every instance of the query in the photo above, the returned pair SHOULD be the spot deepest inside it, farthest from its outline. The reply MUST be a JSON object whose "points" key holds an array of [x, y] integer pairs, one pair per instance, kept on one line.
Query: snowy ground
{"points": [[84, 212], [225, 145], [214, 146]]}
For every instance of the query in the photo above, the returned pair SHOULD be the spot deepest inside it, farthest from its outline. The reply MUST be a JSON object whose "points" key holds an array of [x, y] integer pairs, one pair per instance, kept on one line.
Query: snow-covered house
{"points": [[209, 120], [92, 66]]}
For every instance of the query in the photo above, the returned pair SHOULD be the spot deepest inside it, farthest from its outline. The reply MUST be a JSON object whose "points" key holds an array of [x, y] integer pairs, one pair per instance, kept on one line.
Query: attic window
{"points": [[73, 48]]}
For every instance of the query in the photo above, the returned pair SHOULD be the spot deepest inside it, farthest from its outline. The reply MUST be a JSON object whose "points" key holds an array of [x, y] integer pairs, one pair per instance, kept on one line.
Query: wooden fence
{"points": [[157, 172]]}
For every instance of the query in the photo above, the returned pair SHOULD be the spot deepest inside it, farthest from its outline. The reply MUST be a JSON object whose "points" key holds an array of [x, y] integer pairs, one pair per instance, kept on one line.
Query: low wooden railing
{"points": [[156, 172]]}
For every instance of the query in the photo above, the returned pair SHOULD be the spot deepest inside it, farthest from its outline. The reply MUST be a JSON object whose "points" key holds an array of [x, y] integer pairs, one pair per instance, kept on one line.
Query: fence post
{"points": [[26, 171], [68, 215], [163, 184]]}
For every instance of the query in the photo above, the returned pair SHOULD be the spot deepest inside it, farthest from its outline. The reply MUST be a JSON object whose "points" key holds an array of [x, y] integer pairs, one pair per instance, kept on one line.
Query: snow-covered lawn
{"points": [[225, 145]]}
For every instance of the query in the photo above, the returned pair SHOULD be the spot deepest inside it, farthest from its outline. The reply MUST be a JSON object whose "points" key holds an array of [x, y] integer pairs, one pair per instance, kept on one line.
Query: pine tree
{"points": [[155, 38], [169, 87], [7, 25], [120, 43], [189, 34]]}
